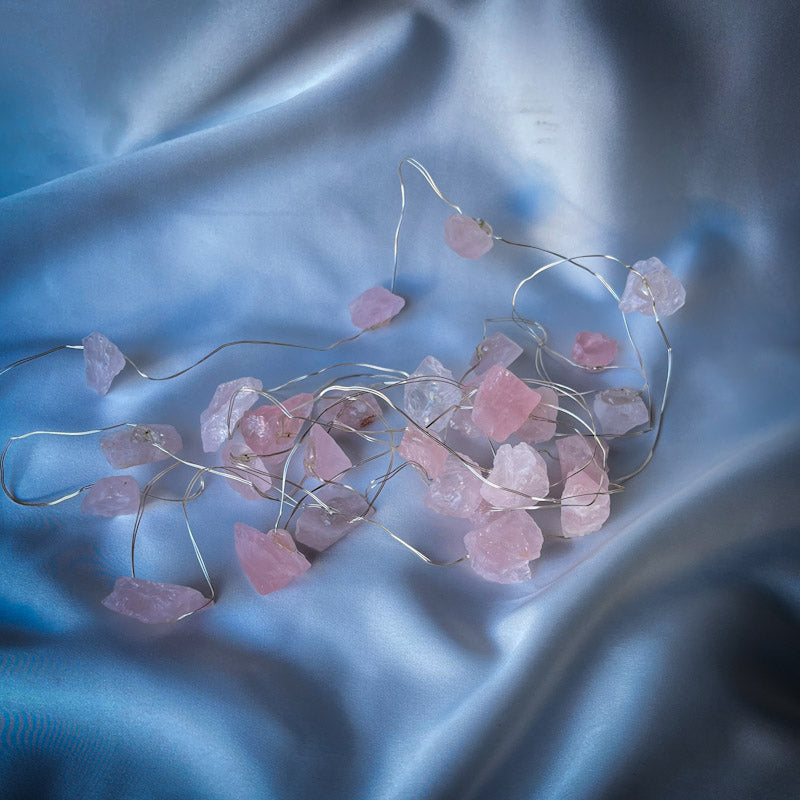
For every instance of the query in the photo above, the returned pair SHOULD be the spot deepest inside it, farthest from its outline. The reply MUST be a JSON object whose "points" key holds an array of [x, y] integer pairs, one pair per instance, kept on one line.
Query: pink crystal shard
{"points": [[619, 410], [153, 602], [519, 468], [585, 505], [497, 349], [324, 459], [594, 349], [129, 447], [214, 420], [103, 360], [423, 448], [584, 455], [112, 497], [502, 403], [462, 421], [347, 411], [241, 462], [541, 423], [666, 289], [374, 308], [267, 431], [319, 528], [467, 237], [456, 492], [429, 402], [501, 545], [270, 560]]}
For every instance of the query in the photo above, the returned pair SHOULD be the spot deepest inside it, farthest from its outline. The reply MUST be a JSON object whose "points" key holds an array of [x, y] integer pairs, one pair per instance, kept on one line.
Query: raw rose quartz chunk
{"points": [[242, 462], [429, 402], [104, 361], [500, 546], [214, 420], [502, 403], [467, 237], [541, 423], [667, 290], [582, 455], [324, 459], [423, 448], [519, 468], [585, 505], [347, 411], [267, 431], [153, 602], [456, 492], [319, 528], [129, 447], [375, 307], [270, 560], [462, 422], [112, 497], [496, 349], [594, 349], [619, 410]]}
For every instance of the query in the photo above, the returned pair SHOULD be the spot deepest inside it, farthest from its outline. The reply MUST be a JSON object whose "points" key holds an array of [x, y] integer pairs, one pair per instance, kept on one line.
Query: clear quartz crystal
{"points": [[430, 402]]}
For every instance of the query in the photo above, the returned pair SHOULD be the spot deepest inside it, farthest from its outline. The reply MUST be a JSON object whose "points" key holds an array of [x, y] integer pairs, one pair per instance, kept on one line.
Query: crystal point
{"points": [[500, 546], [270, 560], [502, 403], [619, 410], [521, 469], [667, 291], [131, 446], [324, 459], [594, 349], [153, 602], [214, 420], [375, 307], [112, 497], [430, 402], [467, 237], [104, 361], [456, 491], [319, 528]]}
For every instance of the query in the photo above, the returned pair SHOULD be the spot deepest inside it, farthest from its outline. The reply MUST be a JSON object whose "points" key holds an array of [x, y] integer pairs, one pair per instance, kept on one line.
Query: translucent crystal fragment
{"points": [[374, 308], [324, 459], [243, 463], [467, 237], [456, 491], [347, 410], [666, 289], [423, 448], [112, 497], [214, 420], [268, 431], [430, 402], [270, 560], [319, 527], [594, 349], [103, 360], [496, 349], [541, 423], [520, 469], [129, 447], [585, 505], [502, 403], [153, 602], [462, 422], [619, 410], [582, 454]]}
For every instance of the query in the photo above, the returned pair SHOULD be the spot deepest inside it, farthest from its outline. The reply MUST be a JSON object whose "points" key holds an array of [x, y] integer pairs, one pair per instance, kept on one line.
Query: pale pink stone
{"points": [[665, 288], [496, 349], [462, 422], [375, 307], [104, 361], [267, 431], [541, 423], [347, 410], [582, 455], [501, 545], [423, 448], [430, 402], [585, 505], [112, 497], [154, 602], [324, 459], [319, 528], [502, 403], [467, 237], [521, 469], [214, 420], [456, 491], [619, 410], [131, 446], [242, 462], [594, 349], [270, 560]]}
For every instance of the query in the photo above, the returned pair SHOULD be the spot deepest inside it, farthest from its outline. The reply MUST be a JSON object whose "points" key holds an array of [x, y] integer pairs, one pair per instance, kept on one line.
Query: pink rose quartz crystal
{"points": [[585, 505], [462, 422], [456, 492], [521, 469], [319, 528], [420, 447], [103, 360], [270, 560], [131, 446], [267, 431], [430, 402], [347, 410], [240, 461], [666, 289], [214, 420], [153, 602], [582, 454], [496, 349], [619, 410], [594, 349], [374, 308], [467, 237], [541, 423], [112, 497], [324, 459], [502, 403]]}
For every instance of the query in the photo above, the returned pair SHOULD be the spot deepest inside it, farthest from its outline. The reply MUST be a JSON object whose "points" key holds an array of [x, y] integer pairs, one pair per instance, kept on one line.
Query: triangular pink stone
{"points": [[324, 458], [270, 560], [154, 602]]}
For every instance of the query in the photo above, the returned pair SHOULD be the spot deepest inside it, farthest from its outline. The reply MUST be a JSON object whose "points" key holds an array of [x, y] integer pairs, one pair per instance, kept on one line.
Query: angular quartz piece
{"points": [[270, 560], [666, 289], [375, 308], [462, 422], [584, 455], [242, 462], [153, 602], [324, 459], [585, 505], [467, 237], [594, 349], [214, 420], [319, 528], [541, 423], [131, 446], [430, 402], [347, 410], [423, 448], [521, 469], [267, 431], [112, 497], [619, 410], [496, 349], [456, 492], [104, 361], [500, 546], [502, 403]]}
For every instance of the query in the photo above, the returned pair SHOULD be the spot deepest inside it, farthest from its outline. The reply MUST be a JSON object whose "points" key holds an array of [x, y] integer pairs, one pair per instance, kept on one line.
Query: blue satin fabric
{"points": [[181, 174]]}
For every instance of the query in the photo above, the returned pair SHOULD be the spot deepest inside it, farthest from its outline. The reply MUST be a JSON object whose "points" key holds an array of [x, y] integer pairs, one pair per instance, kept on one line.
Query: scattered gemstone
{"points": [[666, 289], [594, 349], [582, 455], [467, 237], [519, 468], [319, 528], [153, 602], [324, 459], [496, 349], [375, 308], [502, 403], [585, 505], [346, 411], [267, 431], [619, 410], [501, 545], [214, 420], [241, 461], [462, 422], [131, 446], [112, 497], [430, 402], [270, 560], [456, 491], [104, 361], [541, 423], [423, 448]]}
